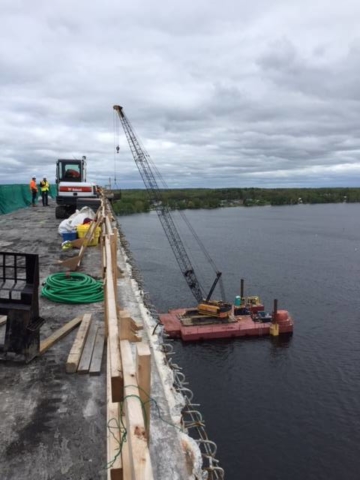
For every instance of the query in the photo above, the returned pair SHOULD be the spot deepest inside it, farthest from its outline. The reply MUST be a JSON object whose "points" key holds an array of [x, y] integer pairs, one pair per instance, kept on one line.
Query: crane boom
{"points": [[142, 158]]}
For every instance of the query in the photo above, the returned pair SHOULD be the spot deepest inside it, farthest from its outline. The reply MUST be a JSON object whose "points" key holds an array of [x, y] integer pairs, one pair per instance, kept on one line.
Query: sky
{"points": [[220, 94]]}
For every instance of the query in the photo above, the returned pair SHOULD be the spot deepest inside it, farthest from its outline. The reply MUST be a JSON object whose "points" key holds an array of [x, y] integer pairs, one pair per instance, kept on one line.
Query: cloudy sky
{"points": [[221, 94]]}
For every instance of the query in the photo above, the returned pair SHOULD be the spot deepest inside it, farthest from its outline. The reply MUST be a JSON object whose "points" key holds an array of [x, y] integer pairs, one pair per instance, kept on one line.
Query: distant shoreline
{"points": [[136, 200]]}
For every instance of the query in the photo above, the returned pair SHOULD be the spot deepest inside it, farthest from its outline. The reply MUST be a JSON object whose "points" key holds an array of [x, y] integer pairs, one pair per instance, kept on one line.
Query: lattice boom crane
{"points": [[142, 160]]}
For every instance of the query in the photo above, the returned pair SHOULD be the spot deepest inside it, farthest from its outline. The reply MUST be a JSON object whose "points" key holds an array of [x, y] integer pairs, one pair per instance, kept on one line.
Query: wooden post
{"points": [[139, 452], [114, 456], [128, 328], [143, 376]]}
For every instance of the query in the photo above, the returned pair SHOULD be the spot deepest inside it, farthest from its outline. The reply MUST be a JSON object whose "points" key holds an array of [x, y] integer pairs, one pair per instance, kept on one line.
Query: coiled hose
{"points": [[73, 287]]}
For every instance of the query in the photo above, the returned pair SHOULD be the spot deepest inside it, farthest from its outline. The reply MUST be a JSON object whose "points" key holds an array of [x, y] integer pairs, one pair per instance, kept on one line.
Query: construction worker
{"points": [[34, 191], [44, 188]]}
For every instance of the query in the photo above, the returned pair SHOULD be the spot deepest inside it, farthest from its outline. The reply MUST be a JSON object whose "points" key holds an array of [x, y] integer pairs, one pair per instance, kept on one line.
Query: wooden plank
{"points": [[95, 366], [59, 334], [136, 433], [114, 456], [114, 246], [87, 353], [125, 452], [143, 376], [117, 382], [78, 345], [108, 225], [3, 319], [106, 309]]}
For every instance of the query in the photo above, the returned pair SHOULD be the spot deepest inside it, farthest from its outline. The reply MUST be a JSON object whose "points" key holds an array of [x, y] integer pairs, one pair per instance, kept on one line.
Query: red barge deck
{"points": [[178, 324]]}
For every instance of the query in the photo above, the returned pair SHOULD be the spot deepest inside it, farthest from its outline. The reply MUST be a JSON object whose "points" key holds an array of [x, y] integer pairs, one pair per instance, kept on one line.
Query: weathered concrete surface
{"points": [[53, 425]]}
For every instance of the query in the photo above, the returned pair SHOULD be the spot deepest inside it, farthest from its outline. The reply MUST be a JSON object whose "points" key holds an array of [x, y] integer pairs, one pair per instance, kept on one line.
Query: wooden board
{"points": [[3, 319], [95, 366], [59, 334], [128, 327], [87, 353], [114, 459], [141, 468], [73, 360], [117, 381], [143, 377]]}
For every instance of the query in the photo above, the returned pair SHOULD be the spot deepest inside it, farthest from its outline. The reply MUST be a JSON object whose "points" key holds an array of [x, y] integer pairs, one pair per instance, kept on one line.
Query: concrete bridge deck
{"points": [[53, 424]]}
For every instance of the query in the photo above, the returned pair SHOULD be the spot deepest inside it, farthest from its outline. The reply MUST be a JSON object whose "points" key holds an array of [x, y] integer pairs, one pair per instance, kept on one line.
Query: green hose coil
{"points": [[73, 288]]}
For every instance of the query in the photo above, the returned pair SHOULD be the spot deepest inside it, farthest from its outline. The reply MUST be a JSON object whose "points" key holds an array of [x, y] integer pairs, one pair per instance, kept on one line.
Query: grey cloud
{"points": [[235, 94]]}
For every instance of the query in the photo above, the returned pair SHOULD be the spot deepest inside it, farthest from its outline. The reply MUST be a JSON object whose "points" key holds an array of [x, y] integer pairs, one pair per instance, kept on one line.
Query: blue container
{"points": [[69, 236], [237, 301]]}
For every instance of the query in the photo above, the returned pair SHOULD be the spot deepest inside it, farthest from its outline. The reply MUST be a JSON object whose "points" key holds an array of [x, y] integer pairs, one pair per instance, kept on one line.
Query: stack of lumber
{"points": [[87, 351]]}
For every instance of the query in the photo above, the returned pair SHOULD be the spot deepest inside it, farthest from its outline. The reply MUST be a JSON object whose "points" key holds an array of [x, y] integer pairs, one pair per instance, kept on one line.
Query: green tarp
{"points": [[13, 197]]}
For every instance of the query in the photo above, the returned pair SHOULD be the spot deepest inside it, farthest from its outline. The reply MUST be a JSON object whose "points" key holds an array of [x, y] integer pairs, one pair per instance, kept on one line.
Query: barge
{"points": [[248, 320], [212, 318]]}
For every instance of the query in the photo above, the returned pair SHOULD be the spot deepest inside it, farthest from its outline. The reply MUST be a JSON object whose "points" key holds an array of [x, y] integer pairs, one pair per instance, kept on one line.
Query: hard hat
{"points": [[33, 177]]}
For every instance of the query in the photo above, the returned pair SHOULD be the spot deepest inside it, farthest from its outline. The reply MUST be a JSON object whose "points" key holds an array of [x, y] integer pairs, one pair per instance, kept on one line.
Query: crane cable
{"points": [[190, 227], [72, 287], [127, 126]]}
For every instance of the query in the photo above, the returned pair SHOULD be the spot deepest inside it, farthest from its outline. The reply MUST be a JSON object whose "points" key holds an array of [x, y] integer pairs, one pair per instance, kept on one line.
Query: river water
{"points": [[277, 409]]}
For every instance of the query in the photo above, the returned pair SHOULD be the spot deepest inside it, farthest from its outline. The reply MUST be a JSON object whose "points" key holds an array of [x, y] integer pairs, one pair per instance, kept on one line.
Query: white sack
{"points": [[77, 218]]}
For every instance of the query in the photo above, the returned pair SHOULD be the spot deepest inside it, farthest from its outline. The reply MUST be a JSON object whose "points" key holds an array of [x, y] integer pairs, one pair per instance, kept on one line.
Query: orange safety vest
{"points": [[33, 185]]}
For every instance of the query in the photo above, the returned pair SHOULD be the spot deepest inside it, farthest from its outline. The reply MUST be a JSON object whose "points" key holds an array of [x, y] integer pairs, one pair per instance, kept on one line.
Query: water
{"points": [[277, 410]]}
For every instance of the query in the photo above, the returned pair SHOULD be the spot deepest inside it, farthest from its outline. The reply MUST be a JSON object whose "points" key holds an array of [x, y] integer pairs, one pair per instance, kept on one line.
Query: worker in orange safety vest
{"points": [[34, 190]]}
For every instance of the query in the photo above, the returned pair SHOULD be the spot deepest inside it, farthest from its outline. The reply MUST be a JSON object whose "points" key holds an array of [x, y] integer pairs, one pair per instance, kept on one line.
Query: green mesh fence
{"points": [[14, 197]]}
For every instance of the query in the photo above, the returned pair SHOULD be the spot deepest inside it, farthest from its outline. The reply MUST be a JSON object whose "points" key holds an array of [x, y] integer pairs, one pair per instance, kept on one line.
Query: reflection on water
{"points": [[279, 343]]}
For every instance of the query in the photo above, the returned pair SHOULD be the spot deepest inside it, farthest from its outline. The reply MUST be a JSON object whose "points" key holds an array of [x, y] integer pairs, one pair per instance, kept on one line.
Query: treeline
{"points": [[137, 201]]}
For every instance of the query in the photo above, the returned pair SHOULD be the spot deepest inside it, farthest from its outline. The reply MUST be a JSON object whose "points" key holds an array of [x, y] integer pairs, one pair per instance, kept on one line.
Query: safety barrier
{"points": [[14, 197]]}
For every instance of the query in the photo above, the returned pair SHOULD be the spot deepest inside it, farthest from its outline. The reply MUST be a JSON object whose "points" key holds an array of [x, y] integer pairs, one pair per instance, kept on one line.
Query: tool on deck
{"points": [[19, 301]]}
